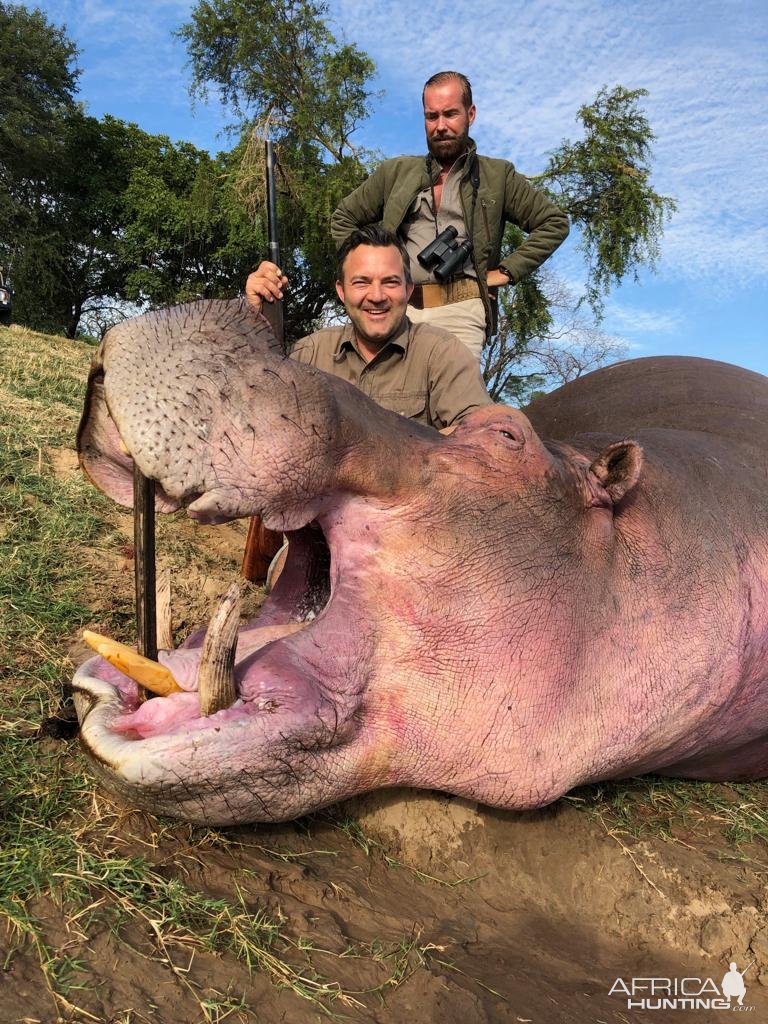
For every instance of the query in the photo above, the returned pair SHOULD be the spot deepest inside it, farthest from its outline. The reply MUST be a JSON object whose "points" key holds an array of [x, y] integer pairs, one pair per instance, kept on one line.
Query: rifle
{"points": [[144, 565], [261, 544]]}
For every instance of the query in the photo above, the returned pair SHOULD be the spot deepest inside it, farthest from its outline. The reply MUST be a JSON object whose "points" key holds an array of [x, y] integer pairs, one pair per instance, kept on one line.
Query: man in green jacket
{"points": [[455, 188]]}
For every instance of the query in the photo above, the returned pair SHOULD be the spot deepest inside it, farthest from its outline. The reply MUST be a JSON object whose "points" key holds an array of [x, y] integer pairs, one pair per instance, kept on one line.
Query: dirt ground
{"points": [[508, 918], [556, 911]]}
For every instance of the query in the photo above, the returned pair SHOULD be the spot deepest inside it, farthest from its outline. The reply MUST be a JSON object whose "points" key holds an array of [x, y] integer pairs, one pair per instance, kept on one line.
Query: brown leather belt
{"points": [[427, 296]]}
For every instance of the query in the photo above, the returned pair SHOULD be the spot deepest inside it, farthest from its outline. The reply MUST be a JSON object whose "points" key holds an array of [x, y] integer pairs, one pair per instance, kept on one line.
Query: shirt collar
{"points": [[346, 342]]}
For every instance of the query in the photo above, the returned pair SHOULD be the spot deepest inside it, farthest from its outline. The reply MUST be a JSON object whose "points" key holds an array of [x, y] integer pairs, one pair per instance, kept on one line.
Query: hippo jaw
{"points": [[201, 401], [292, 739]]}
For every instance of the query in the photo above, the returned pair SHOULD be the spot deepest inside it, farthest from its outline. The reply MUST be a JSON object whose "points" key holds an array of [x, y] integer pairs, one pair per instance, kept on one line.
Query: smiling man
{"points": [[469, 196], [417, 370]]}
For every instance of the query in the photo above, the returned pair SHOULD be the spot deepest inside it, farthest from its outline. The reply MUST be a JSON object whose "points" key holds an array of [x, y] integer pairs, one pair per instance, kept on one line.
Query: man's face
{"points": [[374, 292], [447, 121]]}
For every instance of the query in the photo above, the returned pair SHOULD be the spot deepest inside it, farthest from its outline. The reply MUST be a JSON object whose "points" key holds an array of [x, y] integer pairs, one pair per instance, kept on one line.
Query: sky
{"points": [[532, 64]]}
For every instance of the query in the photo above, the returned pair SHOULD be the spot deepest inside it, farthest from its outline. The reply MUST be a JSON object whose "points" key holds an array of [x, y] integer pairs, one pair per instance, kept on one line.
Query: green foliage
{"points": [[37, 86], [603, 183], [278, 62], [187, 234], [285, 75], [69, 255]]}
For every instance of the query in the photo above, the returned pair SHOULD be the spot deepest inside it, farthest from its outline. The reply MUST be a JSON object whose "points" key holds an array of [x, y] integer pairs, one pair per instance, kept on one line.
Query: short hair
{"points": [[443, 78], [377, 236]]}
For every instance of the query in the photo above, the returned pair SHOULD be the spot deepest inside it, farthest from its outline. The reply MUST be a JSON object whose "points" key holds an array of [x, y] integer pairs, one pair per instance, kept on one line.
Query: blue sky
{"points": [[532, 64]]}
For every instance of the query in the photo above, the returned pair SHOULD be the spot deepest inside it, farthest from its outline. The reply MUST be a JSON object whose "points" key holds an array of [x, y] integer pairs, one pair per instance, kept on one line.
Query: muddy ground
{"points": [[439, 911]]}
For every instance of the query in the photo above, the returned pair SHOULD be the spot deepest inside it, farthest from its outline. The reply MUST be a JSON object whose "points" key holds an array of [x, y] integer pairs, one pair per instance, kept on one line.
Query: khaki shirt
{"points": [[423, 373]]}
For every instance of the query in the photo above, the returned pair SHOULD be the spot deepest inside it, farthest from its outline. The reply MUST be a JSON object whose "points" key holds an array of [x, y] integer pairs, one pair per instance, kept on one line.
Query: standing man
{"points": [[417, 370], [455, 188]]}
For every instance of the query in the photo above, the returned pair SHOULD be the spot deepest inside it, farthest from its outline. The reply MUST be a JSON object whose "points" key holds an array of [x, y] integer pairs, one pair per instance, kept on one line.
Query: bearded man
{"points": [[461, 201]]}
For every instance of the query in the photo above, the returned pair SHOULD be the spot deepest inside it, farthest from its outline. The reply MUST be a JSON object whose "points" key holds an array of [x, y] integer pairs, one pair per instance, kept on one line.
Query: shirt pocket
{"points": [[412, 404]]}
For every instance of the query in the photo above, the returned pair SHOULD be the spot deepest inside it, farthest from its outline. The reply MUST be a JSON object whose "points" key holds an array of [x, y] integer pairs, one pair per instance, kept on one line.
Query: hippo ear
{"points": [[617, 468]]}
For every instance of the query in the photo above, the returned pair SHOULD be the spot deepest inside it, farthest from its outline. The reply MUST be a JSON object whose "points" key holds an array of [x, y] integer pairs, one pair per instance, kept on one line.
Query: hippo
{"points": [[533, 603]]}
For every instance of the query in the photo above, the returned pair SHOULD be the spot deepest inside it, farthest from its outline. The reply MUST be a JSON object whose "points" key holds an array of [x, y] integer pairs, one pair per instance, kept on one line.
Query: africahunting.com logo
{"points": [[685, 993]]}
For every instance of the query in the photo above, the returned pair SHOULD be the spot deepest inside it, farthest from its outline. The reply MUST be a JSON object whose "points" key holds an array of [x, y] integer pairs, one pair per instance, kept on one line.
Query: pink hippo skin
{"points": [[503, 614]]}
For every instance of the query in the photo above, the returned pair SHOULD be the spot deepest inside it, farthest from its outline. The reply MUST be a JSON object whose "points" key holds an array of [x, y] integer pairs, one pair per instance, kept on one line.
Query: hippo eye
{"points": [[516, 440]]}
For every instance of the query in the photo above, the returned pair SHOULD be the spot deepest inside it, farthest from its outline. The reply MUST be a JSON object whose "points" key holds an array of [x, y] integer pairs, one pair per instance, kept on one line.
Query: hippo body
{"points": [[503, 614]]}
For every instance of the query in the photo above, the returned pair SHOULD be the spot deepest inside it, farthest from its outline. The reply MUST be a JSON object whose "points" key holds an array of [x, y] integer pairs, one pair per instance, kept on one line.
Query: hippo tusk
{"points": [[216, 676], [148, 673]]}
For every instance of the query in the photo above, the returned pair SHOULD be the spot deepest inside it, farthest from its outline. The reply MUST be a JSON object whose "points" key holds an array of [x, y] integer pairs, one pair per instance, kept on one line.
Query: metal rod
{"points": [[144, 547], [273, 311], [262, 544]]}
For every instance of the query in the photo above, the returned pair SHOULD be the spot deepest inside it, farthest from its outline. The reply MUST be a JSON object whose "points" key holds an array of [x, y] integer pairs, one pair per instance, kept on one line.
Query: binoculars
{"points": [[445, 256]]}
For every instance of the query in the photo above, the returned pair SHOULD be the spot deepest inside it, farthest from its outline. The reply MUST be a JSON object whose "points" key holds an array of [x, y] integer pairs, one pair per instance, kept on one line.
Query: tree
{"points": [[187, 233], [68, 260], [282, 72], [98, 214], [545, 338], [603, 183], [38, 79]]}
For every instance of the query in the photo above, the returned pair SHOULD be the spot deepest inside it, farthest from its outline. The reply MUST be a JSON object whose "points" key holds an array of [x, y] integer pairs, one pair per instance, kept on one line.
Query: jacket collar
{"points": [[466, 156]]}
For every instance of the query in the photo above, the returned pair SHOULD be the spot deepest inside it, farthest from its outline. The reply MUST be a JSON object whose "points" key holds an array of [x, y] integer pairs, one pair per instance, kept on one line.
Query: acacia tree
{"points": [[603, 183]]}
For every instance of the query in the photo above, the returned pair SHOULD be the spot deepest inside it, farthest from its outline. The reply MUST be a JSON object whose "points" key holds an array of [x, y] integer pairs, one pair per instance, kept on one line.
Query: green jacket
{"points": [[504, 195]]}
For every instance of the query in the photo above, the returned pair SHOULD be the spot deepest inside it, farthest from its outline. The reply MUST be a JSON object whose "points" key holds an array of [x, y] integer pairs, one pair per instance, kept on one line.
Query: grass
{"points": [[61, 846], [681, 811]]}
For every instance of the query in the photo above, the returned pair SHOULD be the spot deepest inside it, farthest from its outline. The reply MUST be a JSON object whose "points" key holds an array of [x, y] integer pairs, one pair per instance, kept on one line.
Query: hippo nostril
{"points": [[216, 677]]}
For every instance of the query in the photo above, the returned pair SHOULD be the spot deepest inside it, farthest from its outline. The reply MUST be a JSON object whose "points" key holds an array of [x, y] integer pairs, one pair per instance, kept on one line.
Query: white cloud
{"points": [[533, 64], [631, 319]]}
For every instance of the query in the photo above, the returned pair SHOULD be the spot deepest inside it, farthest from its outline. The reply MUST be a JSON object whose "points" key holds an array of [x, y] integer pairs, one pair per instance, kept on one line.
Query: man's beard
{"points": [[448, 149]]}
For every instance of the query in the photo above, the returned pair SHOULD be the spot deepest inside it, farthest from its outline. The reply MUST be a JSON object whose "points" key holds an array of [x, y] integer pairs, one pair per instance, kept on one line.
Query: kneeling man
{"points": [[417, 370]]}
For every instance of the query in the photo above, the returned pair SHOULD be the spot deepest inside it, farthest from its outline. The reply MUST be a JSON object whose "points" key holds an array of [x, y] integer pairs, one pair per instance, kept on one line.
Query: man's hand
{"points": [[497, 279], [266, 282]]}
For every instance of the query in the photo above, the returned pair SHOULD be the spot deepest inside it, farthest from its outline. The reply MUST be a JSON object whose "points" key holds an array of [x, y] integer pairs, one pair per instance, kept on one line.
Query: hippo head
{"points": [[409, 639]]}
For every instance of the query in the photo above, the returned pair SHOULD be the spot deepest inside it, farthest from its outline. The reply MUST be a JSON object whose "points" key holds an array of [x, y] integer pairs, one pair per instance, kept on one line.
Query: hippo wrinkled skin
{"points": [[503, 614]]}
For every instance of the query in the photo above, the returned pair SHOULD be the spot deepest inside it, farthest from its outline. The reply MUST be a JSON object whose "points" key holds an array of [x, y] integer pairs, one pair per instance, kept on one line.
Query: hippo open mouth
{"points": [[489, 613], [295, 676], [227, 674]]}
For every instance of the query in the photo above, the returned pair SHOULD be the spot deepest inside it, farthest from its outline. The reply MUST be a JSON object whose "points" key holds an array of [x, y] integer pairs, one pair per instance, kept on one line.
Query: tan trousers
{"points": [[465, 320]]}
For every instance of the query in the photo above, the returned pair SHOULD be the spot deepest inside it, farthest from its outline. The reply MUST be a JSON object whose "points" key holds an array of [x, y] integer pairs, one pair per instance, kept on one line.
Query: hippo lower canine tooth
{"points": [[216, 676]]}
